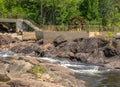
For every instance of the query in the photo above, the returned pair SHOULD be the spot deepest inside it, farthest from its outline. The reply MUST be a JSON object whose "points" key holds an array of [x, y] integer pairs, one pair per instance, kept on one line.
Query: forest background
{"points": [[59, 12]]}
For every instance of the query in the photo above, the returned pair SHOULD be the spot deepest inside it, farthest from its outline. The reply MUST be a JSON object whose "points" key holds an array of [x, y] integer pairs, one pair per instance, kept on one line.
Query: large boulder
{"points": [[18, 69], [59, 40], [88, 45], [30, 49], [110, 52], [26, 49], [50, 50]]}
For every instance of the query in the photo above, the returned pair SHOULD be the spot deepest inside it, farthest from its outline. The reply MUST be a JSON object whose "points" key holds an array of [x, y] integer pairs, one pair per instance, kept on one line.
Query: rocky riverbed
{"points": [[15, 70], [32, 72], [100, 51]]}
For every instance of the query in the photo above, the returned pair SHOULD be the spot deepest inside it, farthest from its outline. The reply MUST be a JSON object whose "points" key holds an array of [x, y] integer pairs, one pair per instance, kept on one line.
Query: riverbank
{"points": [[103, 53], [32, 72], [99, 51]]}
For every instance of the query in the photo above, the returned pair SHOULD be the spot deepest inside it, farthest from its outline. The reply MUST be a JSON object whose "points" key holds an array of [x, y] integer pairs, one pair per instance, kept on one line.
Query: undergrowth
{"points": [[36, 70]]}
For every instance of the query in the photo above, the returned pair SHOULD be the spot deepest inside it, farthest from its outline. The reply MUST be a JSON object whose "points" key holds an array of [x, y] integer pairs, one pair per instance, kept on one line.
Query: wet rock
{"points": [[39, 52], [82, 57], [110, 52], [58, 41]]}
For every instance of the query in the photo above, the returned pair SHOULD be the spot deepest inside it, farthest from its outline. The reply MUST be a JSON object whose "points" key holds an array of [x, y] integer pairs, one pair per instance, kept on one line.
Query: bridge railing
{"points": [[19, 16]]}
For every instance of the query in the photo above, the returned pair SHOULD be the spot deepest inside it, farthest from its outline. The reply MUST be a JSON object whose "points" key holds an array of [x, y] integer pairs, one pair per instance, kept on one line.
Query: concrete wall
{"points": [[49, 36]]}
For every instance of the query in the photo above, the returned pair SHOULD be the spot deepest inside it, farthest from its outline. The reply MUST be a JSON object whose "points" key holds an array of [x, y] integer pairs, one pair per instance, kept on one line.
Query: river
{"points": [[94, 75]]}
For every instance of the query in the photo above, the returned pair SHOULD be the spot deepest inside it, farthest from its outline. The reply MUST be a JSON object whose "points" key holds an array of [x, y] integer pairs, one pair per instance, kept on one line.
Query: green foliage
{"points": [[37, 70], [118, 42], [59, 12], [109, 35], [90, 9]]}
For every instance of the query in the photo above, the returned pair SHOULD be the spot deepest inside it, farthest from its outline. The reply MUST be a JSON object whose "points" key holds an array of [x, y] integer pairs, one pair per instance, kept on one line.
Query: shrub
{"points": [[109, 35], [37, 70]]}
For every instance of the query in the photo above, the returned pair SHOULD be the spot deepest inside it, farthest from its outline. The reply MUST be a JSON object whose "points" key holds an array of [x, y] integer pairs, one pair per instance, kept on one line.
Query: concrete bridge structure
{"points": [[21, 28], [21, 24]]}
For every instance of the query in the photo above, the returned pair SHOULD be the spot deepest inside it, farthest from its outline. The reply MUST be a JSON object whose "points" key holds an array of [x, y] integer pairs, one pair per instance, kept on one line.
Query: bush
{"points": [[109, 35], [37, 70]]}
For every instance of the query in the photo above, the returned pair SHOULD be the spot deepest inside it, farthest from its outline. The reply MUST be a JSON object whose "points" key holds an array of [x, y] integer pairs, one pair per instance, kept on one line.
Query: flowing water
{"points": [[95, 76]]}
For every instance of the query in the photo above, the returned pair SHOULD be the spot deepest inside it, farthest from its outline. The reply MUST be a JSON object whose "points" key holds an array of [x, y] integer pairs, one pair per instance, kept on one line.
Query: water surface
{"points": [[95, 76]]}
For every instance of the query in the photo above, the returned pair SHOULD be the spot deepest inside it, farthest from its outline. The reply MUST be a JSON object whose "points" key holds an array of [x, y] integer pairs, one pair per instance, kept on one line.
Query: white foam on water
{"points": [[90, 71], [51, 60], [6, 54], [64, 62], [86, 69], [78, 68]]}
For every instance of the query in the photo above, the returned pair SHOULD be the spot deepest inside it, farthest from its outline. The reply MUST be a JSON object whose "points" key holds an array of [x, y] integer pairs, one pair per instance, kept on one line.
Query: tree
{"points": [[109, 12], [89, 10]]}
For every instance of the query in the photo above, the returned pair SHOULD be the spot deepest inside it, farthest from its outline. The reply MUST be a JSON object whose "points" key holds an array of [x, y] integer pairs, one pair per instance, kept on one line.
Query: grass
{"points": [[109, 35], [36, 70]]}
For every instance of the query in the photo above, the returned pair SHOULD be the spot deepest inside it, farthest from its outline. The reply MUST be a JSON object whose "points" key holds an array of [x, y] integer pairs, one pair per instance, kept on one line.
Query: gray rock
{"points": [[59, 40], [2, 84], [82, 57], [18, 83], [4, 78]]}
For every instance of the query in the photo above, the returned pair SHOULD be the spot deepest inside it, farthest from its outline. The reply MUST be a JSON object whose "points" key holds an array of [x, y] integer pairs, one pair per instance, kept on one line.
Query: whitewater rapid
{"points": [[75, 66], [78, 67]]}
